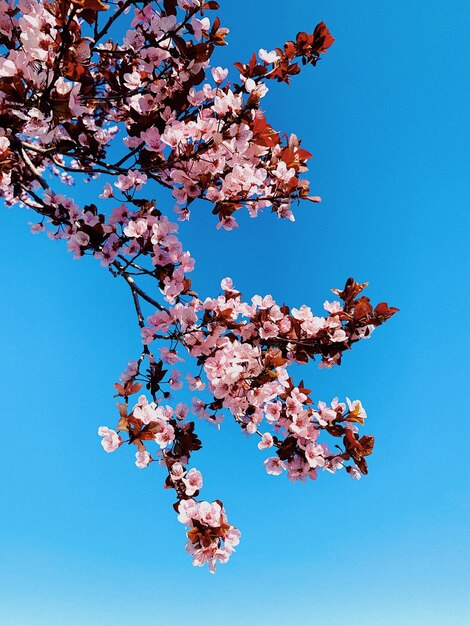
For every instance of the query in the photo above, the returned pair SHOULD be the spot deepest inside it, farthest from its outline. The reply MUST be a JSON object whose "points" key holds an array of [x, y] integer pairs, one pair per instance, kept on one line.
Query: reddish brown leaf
{"points": [[322, 38], [263, 133]]}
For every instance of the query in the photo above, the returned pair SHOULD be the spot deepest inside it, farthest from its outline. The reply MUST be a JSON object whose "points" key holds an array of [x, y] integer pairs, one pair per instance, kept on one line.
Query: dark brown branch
{"points": [[32, 168], [130, 281]]}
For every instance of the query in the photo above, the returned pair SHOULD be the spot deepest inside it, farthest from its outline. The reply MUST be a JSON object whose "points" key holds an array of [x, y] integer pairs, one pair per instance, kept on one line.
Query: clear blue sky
{"points": [[88, 540]]}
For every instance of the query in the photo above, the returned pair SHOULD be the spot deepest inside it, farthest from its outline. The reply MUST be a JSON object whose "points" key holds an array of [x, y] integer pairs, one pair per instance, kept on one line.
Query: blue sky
{"points": [[87, 539]]}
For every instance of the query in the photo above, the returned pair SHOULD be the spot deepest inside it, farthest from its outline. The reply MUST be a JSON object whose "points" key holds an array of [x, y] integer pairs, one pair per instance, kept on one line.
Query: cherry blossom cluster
{"points": [[127, 98], [245, 351], [70, 97], [211, 538]]}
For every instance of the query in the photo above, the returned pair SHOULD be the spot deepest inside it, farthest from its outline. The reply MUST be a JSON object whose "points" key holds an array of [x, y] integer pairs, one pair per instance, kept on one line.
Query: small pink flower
{"points": [[165, 435], [273, 411], [181, 410], [107, 191], [136, 229], [81, 238], [142, 459], [132, 80], [250, 85], [219, 74], [200, 27], [177, 471], [268, 57], [152, 139], [268, 330], [193, 481], [198, 407], [187, 511], [266, 441], [227, 284], [210, 513], [111, 440], [170, 356], [324, 414], [195, 383], [274, 465], [232, 538], [339, 335], [134, 178], [175, 380], [148, 335], [314, 455], [227, 223], [90, 219], [36, 228], [356, 409], [354, 473], [332, 307]]}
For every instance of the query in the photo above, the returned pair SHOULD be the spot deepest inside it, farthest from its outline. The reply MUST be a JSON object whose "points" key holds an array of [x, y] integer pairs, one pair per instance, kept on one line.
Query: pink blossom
{"points": [[146, 411], [181, 410], [177, 471], [195, 383], [356, 409], [175, 380], [81, 238], [314, 455], [200, 27], [268, 57], [107, 191], [36, 228], [274, 465], [232, 538], [266, 441], [354, 473], [250, 85], [219, 74], [332, 307], [268, 330], [165, 435], [134, 178], [325, 414], [273, 411], [198, 407], [148, 335], [192, 481], [209, 513], [132, 80], [90, 219], [142, 459], [136, 229], [227, 284], [187, 511], [170, 356], [131, 371], [152, 140], [111, 440], [211, 555], [339, 335]]}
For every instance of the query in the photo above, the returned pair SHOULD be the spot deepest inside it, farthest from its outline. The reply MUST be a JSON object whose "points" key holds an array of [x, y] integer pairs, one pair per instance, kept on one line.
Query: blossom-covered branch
{"points": [[79, 103]]}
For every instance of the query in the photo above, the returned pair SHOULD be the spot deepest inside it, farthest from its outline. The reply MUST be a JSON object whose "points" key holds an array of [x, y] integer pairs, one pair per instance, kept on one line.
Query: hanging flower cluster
{"points": [[129, 95]]}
